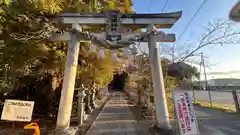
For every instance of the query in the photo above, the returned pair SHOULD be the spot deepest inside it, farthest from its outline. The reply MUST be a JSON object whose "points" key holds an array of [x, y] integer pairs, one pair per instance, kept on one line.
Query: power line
{"points": [[150, 3], [184, 30], [166, 2]]}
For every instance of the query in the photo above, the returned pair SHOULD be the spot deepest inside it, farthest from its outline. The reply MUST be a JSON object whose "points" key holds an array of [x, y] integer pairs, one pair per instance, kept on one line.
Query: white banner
{"points": [[17, 110], [92, 48], [114, 56], [126, 52], [101, 53], [185, 113]]}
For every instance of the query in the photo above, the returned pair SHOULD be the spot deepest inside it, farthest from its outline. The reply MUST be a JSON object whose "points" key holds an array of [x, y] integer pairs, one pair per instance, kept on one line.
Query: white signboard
{"points": [[17, 110], [185, 113]]}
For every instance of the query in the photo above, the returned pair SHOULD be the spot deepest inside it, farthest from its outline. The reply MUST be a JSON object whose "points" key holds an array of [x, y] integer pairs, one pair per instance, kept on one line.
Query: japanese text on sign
{"points": [[185, 113], [17, 110]]}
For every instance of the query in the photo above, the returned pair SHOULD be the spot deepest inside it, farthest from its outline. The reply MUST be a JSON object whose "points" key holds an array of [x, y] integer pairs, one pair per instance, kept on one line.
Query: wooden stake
{"points": [[13, 127]]}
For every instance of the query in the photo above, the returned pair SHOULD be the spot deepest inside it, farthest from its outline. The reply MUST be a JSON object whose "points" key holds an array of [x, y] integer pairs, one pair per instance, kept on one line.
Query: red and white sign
{"points": [[185, 113]]}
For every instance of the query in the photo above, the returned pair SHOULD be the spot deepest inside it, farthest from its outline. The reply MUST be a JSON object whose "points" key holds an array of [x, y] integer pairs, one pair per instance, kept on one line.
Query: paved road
{"points": [[223, 98], [115, 119], [214, 122]]}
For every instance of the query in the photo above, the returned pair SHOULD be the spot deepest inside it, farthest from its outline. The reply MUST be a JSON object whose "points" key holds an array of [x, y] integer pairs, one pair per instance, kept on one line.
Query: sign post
{"points": [[236, 97], [113, 26], [17, 110], [185, 113]]}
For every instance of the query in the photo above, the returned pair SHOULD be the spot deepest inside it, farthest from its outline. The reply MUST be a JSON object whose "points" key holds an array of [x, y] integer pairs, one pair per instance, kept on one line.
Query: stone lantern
{"points": [[80, 109]]}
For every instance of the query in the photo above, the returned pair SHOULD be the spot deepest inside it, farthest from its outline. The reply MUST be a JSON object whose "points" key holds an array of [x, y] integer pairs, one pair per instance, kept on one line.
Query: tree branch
{"points": [[208, 38]]}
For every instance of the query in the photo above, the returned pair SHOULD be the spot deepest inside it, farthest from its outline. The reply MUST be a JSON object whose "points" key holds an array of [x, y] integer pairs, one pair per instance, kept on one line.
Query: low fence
{"points": [[218, 88], [227, 99], [221, 99]]}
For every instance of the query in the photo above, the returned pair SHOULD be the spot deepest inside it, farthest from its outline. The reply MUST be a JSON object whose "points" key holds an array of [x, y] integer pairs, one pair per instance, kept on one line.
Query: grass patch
{"points": [[170, 107], [221, 107]]}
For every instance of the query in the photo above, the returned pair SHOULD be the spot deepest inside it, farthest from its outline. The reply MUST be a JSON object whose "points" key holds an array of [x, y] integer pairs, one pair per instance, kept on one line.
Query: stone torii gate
{"points": [[80, 21]]}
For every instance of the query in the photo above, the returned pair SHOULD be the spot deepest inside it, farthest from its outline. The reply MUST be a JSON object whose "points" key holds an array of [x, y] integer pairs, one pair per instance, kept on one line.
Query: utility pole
{"points": [[114, 22], [205, 77], [158, 81]]}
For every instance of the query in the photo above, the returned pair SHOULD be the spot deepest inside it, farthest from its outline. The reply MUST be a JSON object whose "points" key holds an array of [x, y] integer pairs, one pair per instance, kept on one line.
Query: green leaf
{"points": [[5, 2]]}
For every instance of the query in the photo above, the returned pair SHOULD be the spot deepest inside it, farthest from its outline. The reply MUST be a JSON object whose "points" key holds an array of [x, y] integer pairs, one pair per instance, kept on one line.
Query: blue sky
{"points": [[226, 58]]}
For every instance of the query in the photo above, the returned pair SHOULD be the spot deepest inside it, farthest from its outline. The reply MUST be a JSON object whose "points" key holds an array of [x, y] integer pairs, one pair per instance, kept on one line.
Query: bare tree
{"points": [[216, 33], [176, 52]]}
